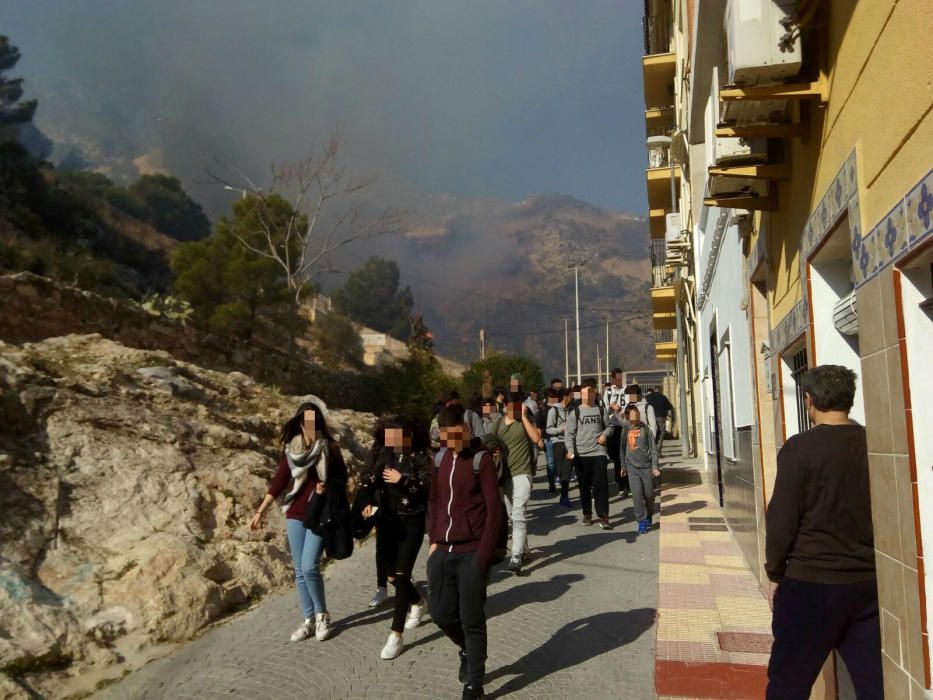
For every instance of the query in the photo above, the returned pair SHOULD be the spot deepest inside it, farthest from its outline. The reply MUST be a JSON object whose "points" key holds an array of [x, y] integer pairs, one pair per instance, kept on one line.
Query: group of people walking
{"points": [[461, 482]]}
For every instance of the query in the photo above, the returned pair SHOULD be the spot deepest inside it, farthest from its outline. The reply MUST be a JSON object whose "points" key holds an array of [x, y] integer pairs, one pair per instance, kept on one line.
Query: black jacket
{"points": [[328, 514], [409, 496]]}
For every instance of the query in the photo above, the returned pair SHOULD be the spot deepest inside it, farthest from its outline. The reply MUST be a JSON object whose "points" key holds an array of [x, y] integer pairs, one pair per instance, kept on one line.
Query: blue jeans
{"points": [[549, 455], [306, 555]]}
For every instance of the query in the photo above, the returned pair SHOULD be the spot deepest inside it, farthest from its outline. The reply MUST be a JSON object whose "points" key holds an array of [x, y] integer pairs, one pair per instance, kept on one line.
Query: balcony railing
{"points": [[659, 155], [658, 253], [664, 336], [657, 30], [661, 273]]}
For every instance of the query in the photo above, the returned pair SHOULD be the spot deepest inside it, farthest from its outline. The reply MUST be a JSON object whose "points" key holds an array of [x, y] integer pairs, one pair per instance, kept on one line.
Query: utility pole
{"points": [[608, 366], [576, 295], [599, 370], [482, 343], [567, 352]]}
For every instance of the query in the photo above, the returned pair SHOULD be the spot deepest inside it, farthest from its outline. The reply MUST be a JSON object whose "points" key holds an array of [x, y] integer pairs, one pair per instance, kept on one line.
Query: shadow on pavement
{"points": [[685, 507], [531, 592], [576, 546], [573, 644]]}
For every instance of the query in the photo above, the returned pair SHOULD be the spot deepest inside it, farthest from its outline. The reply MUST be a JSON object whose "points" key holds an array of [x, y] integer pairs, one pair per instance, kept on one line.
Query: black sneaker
{"points": [[472, 691], [587, 519], [604, 524], [464, 673]]}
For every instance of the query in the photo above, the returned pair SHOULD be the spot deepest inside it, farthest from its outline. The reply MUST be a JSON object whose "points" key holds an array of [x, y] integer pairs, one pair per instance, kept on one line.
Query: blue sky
{"points": [[475, 97]]}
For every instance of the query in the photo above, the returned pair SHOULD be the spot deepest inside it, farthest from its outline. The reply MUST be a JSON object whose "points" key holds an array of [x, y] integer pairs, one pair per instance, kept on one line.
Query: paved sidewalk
{"points": [[714, 624], [581, 623]]}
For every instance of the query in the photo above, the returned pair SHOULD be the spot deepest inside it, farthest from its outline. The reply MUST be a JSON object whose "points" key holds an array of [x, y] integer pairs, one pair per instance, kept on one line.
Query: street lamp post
{"points": [[576, 296]]}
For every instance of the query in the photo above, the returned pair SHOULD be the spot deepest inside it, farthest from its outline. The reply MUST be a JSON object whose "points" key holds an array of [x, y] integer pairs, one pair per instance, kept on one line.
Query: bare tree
{"points": [[326, 215]]}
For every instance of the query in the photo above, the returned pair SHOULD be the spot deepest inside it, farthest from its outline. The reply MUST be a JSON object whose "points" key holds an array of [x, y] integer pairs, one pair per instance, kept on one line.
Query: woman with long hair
{"points": [[310, 463], [395, 490]]}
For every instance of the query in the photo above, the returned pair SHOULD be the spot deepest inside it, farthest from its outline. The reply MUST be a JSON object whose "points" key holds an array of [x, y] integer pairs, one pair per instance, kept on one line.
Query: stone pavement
{"points": [[579, 621], [714, 623]]}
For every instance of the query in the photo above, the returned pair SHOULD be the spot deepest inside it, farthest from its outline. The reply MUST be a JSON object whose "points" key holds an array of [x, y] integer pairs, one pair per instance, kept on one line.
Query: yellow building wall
{"points": [[880, 100], [879, 56]]}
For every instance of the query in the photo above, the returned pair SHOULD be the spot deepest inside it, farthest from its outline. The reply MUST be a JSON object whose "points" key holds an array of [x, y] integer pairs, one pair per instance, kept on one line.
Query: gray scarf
{"points": [[300, 460]]}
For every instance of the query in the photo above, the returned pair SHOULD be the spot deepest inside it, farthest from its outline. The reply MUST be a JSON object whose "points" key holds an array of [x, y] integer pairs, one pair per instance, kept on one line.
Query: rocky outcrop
{"points": [[127, 480]]}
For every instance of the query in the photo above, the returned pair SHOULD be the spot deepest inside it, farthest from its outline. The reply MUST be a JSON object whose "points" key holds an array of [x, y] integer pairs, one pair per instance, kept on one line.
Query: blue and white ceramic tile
{"points": [[849, 178], [865, 257], [855, 214], [892, 236], [919, 210]]}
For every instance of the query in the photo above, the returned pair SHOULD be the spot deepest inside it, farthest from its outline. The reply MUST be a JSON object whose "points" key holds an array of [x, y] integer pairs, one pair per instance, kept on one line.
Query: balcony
{"points": [[661, 275], [665, 345], [659, 62], [657, 30], [662, 290], [658, 176]]}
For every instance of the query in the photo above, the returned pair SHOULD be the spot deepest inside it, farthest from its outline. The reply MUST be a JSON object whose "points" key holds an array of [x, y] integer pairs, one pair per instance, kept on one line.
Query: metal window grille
{"points": [[798, 365]]}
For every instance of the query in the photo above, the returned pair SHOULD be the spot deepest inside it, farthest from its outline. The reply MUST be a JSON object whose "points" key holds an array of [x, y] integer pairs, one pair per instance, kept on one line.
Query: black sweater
{"points": [[819, 526], [407, 497]]}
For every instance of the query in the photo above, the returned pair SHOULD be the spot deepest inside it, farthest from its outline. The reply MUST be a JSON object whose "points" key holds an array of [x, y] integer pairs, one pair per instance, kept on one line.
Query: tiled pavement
{"points": [[713, 634], [580, 623]]}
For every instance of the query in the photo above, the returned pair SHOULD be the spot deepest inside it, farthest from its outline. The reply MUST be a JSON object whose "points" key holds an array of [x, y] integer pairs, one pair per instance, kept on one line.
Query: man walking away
{"points": [[820, 549], [614, 400], [639, 454], [515, 435], [464, 516], [662, 409], [585, 439]]}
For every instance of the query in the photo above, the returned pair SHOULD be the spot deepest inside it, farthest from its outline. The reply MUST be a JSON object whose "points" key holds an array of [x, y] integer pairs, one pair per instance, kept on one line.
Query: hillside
{"points": [[504, 267]]}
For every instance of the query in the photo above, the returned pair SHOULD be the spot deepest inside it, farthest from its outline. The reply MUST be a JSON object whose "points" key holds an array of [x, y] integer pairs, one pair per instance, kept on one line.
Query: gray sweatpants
{"points": [[642, 485], [516, 496]]}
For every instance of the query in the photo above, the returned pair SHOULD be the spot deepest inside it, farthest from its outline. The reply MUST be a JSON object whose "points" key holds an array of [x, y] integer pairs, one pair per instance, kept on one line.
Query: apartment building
{"points": [[791, 206]]}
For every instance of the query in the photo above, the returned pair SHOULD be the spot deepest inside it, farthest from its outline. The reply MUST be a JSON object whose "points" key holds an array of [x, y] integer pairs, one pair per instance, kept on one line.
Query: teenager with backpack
{"points": [[639, 453], [516, 435], [311, 463], [464, 517], [543, 417], [557, 430], [395, 490], [585, 438], [615, 400], [473, 418]]}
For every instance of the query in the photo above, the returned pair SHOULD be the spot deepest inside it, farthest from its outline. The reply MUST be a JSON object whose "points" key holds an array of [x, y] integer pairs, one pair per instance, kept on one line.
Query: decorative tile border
{"points": [[789, 327], [842, 191], [903, 229]]}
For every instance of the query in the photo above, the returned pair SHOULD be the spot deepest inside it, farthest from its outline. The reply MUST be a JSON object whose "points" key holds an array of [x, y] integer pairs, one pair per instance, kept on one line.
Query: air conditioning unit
{"points": [[735, 151], [754, 30], [673, 228]]}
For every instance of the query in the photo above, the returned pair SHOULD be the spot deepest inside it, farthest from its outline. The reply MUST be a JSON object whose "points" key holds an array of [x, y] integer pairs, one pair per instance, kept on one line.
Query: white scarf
{"points": [[300, 461]]}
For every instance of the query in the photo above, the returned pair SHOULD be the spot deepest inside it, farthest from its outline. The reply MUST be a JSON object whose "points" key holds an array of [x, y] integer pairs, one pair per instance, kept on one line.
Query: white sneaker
{"points": [[393, 647], [322, 627], [415, 613], [381, 595], [305, 630]]}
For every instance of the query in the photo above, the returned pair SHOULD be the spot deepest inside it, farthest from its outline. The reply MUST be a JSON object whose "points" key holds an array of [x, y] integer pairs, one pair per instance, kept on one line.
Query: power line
{"points": [[633, 317]]}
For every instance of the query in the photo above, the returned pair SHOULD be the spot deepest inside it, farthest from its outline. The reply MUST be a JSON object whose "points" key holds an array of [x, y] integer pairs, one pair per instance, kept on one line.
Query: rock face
{"points": [[127, 481]]}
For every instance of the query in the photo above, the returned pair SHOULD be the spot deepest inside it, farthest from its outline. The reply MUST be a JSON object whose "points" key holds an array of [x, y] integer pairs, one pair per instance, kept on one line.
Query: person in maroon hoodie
{"points": [[464, 515], [310, 460]]}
